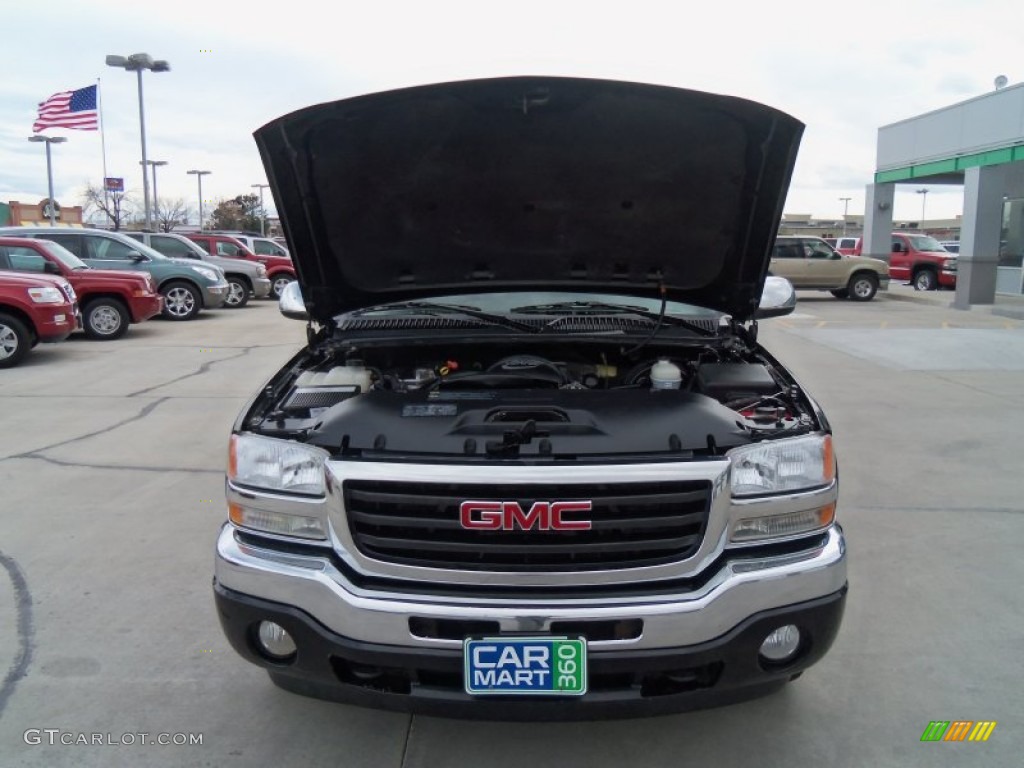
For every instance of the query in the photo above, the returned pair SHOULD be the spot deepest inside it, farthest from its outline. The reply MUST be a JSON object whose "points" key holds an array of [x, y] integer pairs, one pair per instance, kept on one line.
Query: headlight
{"points": [[48, 295], [782, 466], [209, 274], [276, 465], [949, 265], [261, 270]]}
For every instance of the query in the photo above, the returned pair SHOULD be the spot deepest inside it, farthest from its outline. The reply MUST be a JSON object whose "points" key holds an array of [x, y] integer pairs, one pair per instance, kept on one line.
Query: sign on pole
{"points": [[113, 184]]}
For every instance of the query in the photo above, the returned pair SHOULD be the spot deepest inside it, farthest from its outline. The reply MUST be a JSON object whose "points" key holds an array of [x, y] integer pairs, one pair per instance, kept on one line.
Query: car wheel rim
{"points": [[8, 342], [862, 289], [180, 302], [236, 292], [280, 284], [105, 320]]}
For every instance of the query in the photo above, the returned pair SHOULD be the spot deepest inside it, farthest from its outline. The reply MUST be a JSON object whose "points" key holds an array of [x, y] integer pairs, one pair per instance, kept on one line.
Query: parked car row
{"points": [[53, 282]]}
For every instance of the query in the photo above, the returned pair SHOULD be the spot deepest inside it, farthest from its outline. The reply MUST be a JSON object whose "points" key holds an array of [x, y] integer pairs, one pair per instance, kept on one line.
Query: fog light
{"points": [[275, 640], [781, 644]]}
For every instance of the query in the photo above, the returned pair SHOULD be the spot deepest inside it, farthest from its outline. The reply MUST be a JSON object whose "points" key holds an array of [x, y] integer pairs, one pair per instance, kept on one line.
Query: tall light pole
{"points": [[199, 177], [49, 169], [136, 63], [263, 215], [846, 203], [924, 199], [156, 202]]}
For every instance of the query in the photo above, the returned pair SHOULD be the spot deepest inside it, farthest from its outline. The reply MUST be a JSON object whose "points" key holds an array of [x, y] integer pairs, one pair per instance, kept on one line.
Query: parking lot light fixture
{"points": [[156, 204], [924, 199], [136, 63], [263, 215], [49, 170], [846, 204], [199, 177]]}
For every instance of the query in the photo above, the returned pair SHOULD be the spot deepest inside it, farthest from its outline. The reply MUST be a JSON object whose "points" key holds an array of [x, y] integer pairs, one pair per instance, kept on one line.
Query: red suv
{"points": [[280, 269], [110, 298], [33, 308]]}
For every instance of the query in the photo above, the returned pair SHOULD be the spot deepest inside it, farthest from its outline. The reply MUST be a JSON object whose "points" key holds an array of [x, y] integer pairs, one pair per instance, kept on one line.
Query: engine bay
{"points": [[558, 401]]}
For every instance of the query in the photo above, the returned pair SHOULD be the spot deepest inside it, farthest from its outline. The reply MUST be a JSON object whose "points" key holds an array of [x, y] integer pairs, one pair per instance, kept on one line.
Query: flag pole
{"points": [[103, 145]]}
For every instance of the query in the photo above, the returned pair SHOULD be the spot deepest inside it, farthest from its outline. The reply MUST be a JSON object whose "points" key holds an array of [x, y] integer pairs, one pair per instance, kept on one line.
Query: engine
{"points": [[478, 403]]}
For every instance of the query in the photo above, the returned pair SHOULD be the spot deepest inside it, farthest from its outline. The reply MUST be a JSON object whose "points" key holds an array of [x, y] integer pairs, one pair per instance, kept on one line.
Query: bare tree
{"points": [[112, 204], [171, 213]]}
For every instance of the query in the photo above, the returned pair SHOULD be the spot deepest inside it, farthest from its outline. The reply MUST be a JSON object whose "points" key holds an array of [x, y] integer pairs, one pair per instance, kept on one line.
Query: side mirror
{"points": [[291, 304], [50, 268], [897, 247], [136, 257], [836, 255], [777, 299]]}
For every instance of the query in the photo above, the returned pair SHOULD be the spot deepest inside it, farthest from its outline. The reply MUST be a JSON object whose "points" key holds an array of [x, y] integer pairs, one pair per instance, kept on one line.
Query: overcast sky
{"points": [[844, 69]]}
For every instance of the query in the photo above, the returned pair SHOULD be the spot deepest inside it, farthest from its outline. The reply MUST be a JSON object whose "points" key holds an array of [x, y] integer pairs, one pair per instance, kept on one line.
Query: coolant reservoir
{"points": [[665, 375], [351, 374]]}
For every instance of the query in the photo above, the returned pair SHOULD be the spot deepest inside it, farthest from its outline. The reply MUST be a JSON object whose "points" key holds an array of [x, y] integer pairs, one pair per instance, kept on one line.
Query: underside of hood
{"points": [[531, 183]]}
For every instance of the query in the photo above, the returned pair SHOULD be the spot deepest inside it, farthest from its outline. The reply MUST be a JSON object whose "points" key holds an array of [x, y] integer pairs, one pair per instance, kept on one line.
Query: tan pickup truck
{"points": [[810, 263]]}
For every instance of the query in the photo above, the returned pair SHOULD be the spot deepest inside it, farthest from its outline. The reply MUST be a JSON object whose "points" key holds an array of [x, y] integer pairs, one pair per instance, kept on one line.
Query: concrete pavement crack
{"points": [[146, 410], [204, 368], [120, 467], [23, 601]]}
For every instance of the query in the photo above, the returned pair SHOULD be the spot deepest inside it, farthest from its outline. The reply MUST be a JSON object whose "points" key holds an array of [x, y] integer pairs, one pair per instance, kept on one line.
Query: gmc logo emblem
{"points": [[508, 515]]}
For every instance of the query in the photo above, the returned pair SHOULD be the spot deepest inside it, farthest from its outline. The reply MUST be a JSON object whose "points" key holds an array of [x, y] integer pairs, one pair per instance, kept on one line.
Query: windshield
{"points": [[63, 255], [504, 303], [925, 243]]}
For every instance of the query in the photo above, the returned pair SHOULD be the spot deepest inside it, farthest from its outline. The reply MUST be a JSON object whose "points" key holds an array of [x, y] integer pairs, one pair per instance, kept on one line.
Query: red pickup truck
{"points": [[111, 299], [920, 260], [33, 308]]}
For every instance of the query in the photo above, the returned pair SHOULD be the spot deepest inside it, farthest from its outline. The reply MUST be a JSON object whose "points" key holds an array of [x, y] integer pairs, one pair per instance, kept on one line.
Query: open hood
{"points": [[531, 183]]}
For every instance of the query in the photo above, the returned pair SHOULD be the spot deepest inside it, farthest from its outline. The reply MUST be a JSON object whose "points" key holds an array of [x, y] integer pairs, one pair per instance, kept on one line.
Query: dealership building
{"points": [[978, 143]]}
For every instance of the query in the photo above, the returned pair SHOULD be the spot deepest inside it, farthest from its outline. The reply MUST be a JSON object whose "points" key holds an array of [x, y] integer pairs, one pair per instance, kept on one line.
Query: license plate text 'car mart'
{"points": [[534, 665]]}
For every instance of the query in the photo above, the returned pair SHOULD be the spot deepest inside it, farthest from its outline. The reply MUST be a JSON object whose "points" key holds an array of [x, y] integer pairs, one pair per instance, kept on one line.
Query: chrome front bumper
{"points": [[741, 586]]}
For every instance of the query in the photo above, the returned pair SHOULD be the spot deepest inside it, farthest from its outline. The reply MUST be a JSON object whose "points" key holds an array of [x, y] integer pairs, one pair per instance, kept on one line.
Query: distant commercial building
{"points": [[978, 143], [15, 214]]}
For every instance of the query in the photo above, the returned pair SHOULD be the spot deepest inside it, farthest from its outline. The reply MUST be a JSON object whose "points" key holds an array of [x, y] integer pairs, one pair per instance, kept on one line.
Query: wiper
{"points": [[602, 308], [433, 308]]}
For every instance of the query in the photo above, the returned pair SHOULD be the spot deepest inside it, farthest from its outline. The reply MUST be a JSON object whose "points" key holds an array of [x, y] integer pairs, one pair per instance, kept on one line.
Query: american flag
{"points": [[69, 109]]}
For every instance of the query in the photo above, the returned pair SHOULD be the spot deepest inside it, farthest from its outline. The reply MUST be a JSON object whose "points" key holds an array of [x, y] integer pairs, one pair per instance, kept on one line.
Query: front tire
{"points": [[105, 319], [181, 300], [238, 293], [863, 286], [280, 282], [926, 280], [15, 341]]}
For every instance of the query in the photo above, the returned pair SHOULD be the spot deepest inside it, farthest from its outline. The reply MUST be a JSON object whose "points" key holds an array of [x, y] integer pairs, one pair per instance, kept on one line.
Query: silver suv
{"points": [[244, 278]]}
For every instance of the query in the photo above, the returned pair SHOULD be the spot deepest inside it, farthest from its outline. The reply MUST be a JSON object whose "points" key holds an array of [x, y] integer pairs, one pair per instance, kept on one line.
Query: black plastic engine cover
{"points": [[531, 422]]}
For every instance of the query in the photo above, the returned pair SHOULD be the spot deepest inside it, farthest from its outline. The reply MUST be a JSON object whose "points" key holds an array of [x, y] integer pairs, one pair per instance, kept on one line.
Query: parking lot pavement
{"points": [[111, 460]]}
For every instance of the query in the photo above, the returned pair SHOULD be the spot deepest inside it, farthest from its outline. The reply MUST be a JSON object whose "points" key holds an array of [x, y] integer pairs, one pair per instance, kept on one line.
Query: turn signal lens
{"points": [[780, 526]]}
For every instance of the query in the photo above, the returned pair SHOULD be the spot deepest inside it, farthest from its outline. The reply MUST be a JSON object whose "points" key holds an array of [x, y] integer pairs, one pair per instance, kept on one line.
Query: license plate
{"points": [[537, 666]]}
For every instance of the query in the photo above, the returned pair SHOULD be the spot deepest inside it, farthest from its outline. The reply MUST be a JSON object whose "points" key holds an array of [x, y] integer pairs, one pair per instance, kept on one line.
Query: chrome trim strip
{"points": [[714, 471]]}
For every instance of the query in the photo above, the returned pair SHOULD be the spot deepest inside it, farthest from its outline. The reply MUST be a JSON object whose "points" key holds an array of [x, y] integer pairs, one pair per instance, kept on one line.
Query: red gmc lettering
{"points": [[509, 515]]}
